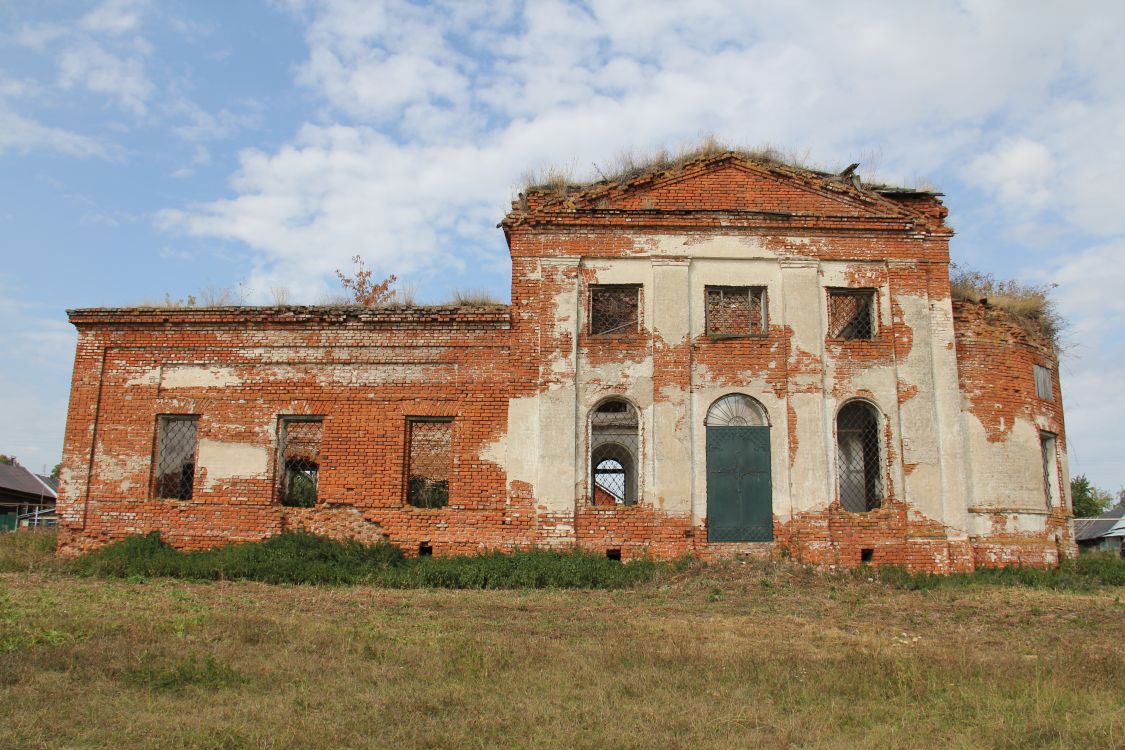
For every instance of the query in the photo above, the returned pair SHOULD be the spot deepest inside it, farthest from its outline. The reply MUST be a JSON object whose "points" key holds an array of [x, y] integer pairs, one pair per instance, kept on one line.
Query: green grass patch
{"points": [[25, 550], [304, 558], [1087, 572], [292, 557], [157, 673]]}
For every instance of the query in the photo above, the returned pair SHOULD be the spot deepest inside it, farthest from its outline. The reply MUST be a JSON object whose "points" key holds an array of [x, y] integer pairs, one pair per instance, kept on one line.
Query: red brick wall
{"points": [[996, 358], [366, 372]]}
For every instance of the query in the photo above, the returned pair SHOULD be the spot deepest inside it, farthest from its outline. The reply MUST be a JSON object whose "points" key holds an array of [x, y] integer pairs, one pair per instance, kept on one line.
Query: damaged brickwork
{"points": [[460, 429]]}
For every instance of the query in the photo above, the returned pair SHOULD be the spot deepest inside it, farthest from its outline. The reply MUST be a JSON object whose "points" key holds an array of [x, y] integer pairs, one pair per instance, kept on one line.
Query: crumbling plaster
{"points": [[520, 384]]}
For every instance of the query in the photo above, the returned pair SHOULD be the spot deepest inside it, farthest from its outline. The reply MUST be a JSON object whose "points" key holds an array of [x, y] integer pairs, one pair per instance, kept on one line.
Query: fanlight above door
{"points": [[736, 410]]}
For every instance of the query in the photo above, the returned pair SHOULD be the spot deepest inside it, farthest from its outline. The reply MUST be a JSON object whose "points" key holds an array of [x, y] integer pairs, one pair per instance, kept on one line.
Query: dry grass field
{"points": [[730, 655]]}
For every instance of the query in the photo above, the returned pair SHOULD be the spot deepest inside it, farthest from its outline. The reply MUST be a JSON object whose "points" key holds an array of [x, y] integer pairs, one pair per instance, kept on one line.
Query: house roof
{"points": [[1110, 523], [16, 480]]}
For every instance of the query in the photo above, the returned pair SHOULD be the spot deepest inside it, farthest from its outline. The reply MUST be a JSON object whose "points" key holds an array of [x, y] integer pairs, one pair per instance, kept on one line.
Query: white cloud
{"points": [[22, 134], [1021, 171], [200, 125], [91, 66], [115, 16]]}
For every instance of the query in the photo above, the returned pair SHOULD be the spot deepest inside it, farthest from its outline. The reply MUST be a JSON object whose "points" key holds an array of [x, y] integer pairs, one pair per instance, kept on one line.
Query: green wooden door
{"points": [[739, 492]]}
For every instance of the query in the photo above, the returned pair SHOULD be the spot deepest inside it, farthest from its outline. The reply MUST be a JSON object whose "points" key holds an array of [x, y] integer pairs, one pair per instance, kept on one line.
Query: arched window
{"points": [[859, 457], [614, 446], [736, 410]]}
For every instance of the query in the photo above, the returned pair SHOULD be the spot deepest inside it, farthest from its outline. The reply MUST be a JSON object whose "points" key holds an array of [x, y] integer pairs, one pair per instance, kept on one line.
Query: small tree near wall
{"points": [[363, 290]]}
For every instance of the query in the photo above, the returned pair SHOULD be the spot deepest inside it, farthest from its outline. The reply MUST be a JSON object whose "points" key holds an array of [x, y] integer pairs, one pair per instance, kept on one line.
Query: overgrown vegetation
{"points": [[1085, 573], [364, 291], [473, 297], [1030, 304], [300, 557], [628, 165], [292, 557]]}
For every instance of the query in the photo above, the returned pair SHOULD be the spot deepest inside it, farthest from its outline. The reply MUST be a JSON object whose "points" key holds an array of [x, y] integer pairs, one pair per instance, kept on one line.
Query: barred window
{"points": [[1043, 387], [614, 447], [851, 313], [736, 310], [859, 457], [299, 441], [430, 461], [175, 457], [615, 309]]}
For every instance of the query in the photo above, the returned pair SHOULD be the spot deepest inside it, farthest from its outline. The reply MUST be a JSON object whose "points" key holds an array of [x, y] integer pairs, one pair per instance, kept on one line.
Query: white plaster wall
{"points": [[1007, 474], [547, 440], [222, 461]]}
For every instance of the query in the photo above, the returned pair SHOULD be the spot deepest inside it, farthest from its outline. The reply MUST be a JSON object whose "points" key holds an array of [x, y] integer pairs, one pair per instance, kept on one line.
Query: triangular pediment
{"points": [[728, 182]]}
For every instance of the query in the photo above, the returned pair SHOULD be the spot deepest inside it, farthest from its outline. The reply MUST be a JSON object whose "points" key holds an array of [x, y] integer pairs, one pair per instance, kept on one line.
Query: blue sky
{"points": [[157, 148]]}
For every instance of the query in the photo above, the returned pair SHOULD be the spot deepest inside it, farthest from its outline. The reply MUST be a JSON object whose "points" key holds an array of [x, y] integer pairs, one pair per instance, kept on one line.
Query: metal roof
{"points": [[1110, 523], [16, 479]]}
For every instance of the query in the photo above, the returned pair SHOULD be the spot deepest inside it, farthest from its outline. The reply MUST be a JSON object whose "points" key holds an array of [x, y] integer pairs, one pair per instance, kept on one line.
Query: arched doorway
{"points": [[739, 488]]}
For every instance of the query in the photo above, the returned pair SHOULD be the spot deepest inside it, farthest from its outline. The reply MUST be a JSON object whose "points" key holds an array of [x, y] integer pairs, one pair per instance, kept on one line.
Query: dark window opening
{"points": [[614, 447], [851, 314], [1050, 467], [736, 310], [174, 477], [299, 461], [430, 462], [867, 554], [425, 550], [859, 457], [614, 309], [613, 554]]}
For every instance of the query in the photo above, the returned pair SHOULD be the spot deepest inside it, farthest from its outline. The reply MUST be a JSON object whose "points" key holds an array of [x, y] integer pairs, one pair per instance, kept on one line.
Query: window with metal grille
{"points": [[614, 309], [736, 310], [299, 441], [1050, 468], [430, 461], [1043, 385], [175, 457], [851, 313], [614, 447], [859, 457]]}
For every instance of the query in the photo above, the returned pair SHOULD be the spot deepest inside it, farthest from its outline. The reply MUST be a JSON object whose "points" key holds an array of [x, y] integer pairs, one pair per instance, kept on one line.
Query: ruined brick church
{"points": [[727, 356]]}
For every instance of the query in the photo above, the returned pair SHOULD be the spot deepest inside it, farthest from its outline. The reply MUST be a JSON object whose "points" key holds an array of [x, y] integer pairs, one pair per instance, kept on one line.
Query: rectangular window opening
{"points": [[866, 555], [176, 438], [298, 462], [429, 462], [1050, 468], [613, 554], [615, 309], [425, 549], [1044, 388], [851, 314], [736, 310]]}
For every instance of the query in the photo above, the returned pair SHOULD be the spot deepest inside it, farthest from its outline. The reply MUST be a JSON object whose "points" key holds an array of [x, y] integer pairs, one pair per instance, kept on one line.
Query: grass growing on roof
{"points": [[627, 164], [1030, 304]]}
